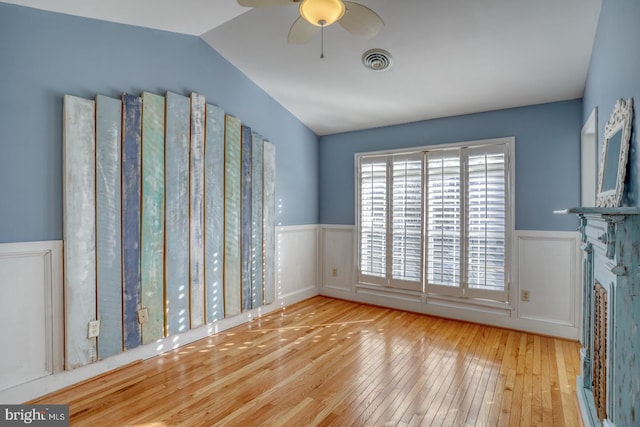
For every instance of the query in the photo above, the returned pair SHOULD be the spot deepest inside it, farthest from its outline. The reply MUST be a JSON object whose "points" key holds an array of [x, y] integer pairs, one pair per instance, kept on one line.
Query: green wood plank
{"points": [[232, 185], [269, 210], [257, 293], [108, 224], [177, 213], [152, 209], [214, 212], [79, 204], [196, 239]]}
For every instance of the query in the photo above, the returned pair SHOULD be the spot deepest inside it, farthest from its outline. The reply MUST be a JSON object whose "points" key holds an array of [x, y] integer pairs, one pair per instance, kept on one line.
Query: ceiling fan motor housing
{"points": [[322, 13]]}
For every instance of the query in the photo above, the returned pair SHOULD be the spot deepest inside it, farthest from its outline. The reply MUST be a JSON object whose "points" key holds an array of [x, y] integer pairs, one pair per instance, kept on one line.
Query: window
{"points": [[436, 220], [391, 220]]}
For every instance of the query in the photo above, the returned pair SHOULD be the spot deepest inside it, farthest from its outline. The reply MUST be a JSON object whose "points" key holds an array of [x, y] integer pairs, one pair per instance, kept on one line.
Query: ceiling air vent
{"points": [[377, 59]]}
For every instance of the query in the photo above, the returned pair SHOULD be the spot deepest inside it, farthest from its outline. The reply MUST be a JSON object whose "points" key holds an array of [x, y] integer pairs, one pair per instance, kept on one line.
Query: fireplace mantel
{"points": [[611, 316]]}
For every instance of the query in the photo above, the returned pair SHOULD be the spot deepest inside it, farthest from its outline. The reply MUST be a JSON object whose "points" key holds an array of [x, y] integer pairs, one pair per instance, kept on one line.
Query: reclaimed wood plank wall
{"points": [[152, 227], [79, 204], [169, 212], [214, 209], [177, 214], [257, 294], [131, 165], [196, 185], [232, 205], [108, 225]]}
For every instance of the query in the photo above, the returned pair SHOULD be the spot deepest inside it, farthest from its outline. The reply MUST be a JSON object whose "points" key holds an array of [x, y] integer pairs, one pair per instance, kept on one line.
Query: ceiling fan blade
{"points": [[266, 3], [361, 20], [302, 32]]}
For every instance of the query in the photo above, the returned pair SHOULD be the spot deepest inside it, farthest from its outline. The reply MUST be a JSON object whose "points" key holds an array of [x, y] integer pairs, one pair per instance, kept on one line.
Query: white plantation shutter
{"points": [[444, 215], [390, 222], [458, 199], [406, 221], [373, 218], [486, 219]]}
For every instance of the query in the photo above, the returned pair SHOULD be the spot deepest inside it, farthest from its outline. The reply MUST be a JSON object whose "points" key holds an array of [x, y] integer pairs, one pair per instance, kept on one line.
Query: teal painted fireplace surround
{"points": [[611, 246]]}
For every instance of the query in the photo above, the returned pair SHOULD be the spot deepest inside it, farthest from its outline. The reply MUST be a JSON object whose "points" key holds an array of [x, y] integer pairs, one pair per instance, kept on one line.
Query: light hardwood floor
{"points": [[330, 362]]}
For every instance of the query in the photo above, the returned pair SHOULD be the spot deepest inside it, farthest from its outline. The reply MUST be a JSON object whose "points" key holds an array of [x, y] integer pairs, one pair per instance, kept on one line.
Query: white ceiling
{"points": [[450, 57]]}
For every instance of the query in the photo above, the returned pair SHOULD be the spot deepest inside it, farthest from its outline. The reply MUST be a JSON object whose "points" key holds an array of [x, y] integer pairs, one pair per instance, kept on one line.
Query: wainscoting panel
{"points": [[30, 311], [338, 260], [546, 263], [22, 263], [296, 255], [548, 269]]}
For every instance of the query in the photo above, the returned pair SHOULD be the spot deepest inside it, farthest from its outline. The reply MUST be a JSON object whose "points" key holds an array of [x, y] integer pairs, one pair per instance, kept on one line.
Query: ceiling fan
{"points": [[315, 15]]}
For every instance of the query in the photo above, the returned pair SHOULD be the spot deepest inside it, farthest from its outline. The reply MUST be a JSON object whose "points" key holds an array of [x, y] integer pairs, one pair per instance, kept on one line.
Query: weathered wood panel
{"points": [[257, 295], [177, 213], [232, 206], [269, 210], [214, 212], [108, 224], [131, 158], [196, 239], [79, 206], [246, 218], [152, 227]]}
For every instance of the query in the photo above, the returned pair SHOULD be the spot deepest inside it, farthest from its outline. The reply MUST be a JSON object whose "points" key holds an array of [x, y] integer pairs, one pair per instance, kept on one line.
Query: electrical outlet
{"points": [[525, 295], [94, 329], [143, 315], [334, 272]]}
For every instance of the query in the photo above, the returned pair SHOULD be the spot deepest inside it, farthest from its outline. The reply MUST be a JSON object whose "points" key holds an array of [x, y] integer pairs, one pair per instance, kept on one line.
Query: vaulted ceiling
{"points": [[450, 57]]}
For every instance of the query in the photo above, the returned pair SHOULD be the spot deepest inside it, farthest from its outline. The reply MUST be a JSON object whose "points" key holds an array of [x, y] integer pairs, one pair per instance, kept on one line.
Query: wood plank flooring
{"points": [[337, 363]]}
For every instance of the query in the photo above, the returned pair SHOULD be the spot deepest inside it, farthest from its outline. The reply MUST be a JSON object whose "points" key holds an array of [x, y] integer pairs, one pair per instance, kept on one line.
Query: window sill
{"points": [[438, 299], [474, 304]]}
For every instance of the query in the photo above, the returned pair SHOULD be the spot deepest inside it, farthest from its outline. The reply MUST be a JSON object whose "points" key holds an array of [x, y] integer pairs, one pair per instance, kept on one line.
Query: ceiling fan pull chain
{"points": [[322, 22]]}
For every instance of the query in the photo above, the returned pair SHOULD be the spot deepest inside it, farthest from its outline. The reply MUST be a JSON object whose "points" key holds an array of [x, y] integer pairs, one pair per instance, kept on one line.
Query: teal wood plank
{"points": [[269, 232], [79, 206], [152, 209], [214, 212], [177, 213], [232, 185], [257, 294], [131, 165], [108, 224], [246, 218], [196, 239]]}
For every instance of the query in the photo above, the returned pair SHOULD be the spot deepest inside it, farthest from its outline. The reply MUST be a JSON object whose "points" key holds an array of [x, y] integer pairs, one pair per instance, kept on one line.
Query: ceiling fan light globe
{"points": [[322, 13]]}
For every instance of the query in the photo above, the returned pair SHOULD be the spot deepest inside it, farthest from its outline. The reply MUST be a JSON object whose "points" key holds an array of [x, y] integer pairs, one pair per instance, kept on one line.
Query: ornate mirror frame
{"points": [[615, 153]]}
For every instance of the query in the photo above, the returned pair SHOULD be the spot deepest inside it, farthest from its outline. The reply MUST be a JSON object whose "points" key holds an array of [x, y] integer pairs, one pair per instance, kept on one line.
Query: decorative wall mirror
{"points": [[615, 152]]}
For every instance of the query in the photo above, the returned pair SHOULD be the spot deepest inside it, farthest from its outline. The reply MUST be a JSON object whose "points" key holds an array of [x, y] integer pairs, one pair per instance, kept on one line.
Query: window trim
{"points": [[428, 290]]}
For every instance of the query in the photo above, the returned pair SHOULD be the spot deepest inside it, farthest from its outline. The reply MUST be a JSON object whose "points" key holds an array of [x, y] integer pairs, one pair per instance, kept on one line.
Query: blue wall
{"points": [[547, 159], [614, 73], [45, 55]]}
